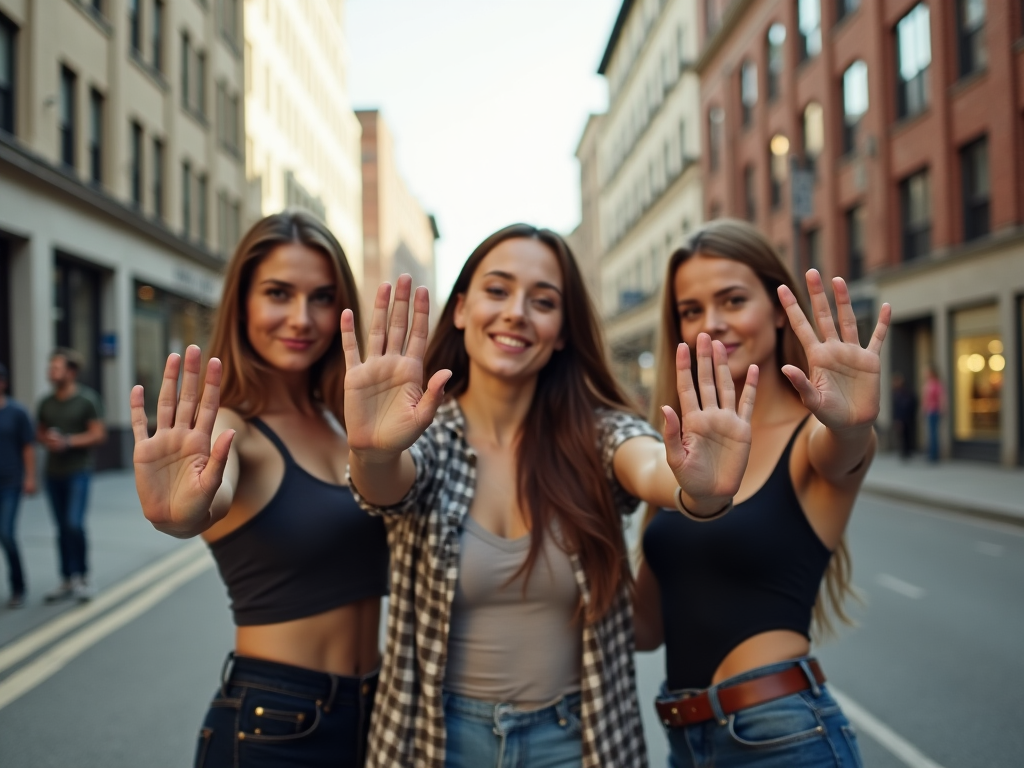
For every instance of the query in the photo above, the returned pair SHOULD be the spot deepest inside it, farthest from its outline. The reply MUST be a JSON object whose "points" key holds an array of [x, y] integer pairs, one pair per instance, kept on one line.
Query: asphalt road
{"points": [[936, 656]]}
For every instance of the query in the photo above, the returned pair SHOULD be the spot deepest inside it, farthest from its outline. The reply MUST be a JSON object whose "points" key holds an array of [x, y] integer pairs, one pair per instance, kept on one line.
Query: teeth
{"points": [[508, 341]]}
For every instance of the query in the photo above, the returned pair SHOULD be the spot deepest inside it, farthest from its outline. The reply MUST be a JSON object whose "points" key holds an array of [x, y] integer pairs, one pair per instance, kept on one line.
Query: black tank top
{"points": [[309, 550], [756, 569]]}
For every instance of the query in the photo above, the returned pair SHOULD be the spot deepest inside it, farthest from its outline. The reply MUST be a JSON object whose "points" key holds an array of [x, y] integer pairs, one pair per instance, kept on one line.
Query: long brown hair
{"points": [[560, 474], [243, 387], [741, 242]]}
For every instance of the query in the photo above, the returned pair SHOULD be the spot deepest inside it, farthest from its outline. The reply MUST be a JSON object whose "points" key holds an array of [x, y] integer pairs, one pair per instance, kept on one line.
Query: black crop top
{"points": [[309, 550], [754, 570]]}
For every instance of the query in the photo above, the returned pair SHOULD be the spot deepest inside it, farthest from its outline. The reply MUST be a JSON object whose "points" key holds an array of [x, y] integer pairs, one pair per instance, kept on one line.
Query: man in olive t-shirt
{"points": [[68, 425]]}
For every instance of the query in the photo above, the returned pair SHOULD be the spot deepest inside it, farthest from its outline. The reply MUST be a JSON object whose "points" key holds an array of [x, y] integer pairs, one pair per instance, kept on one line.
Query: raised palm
{"points": [[177, 470], [708, 447], [386, 407], [842, 386]]}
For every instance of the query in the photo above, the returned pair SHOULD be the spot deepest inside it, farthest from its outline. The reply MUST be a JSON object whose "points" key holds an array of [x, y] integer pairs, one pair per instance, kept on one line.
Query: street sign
{"points": [[802, 192]]}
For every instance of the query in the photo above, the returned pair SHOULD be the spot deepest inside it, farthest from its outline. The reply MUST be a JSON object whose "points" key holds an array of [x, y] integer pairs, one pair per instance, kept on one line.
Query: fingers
{"points": [[844, 308], [417, 346], [747, 397], [672, 432], [211, 397], [723, 378], [379, 322], [684, 381], [797, 319], [432, 397], [810, 397], [819, 305], [213, 473], [349, 342], [884, 317], [168, 398], [706, 372], [189, 387], [399, 315], [140, 424]]}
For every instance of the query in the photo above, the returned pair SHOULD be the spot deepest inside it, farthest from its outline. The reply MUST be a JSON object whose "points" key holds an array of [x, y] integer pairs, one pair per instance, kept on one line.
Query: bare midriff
{"points": [[761, 650], [342, 641]]}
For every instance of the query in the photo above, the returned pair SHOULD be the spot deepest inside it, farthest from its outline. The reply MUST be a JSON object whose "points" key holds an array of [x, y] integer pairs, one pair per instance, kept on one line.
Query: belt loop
{"points": [[334, 690], [224, 675], [716, 706], [499, 730], [806, 667]]}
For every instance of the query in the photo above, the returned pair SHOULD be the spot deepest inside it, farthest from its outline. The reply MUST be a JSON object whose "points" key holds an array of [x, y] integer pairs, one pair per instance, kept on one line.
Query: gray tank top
{"points": [[505, 645]]}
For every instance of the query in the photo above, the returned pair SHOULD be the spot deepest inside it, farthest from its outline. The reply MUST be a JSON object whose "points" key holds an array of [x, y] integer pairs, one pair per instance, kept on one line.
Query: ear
{"points": [[780, 317], [460, 311]]}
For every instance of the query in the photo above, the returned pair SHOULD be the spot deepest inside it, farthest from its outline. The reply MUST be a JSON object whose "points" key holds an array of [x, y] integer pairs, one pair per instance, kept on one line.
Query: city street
{"points": [[932, 664]]}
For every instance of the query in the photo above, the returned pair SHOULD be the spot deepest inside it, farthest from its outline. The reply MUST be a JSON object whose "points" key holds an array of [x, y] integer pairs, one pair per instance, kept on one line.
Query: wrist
{"points": [[369, 457], [707, 508]]}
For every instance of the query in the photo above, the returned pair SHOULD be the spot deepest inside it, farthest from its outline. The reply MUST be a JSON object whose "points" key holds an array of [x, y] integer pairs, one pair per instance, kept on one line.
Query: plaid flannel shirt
{"points": [[408, 727]]}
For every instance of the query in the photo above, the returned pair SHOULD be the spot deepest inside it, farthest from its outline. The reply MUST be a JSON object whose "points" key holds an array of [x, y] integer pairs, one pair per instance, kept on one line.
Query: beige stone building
{"points": [[585, 240], [302, 137], [647, 175], [121, 187], [398, 236]]}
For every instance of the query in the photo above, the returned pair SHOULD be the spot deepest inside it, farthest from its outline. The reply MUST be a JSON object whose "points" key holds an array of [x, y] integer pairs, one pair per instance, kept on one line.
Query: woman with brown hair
{"points": [[509, 633], [304, 566], [733, 599]]}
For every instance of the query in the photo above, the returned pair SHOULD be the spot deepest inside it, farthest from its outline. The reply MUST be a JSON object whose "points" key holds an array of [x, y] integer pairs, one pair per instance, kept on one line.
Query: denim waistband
{"points": [[507, 715], [750, 674], [310, 683]]}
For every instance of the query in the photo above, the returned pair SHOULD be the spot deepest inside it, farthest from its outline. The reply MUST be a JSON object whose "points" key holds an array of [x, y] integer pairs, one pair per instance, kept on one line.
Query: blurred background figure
{"points": [[69, 424], [904, 415], [934, 406], [17, 475]]}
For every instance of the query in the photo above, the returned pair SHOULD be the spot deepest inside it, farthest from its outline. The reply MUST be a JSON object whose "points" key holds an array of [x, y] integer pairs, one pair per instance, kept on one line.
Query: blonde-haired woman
{"points": [[257, 468], [733, 599]]}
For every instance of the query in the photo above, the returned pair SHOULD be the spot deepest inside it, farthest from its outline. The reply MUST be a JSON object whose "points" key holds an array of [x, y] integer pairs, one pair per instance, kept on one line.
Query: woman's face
{"points": [[513, 310], [726, 299], [293, 307]]}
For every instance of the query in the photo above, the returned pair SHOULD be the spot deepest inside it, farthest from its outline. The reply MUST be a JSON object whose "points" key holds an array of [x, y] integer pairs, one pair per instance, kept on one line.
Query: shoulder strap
{"points": [[271, 435]]}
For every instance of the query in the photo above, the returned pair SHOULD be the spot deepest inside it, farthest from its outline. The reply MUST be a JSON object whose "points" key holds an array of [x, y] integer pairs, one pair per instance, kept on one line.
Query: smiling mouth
{"points": [[297, 343], [510, 341]]}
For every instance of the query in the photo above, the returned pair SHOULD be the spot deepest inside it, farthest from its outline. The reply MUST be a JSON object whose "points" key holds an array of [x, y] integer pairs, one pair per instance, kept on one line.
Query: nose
{"points": [[515, 307], [299, 316], [714, 322]]}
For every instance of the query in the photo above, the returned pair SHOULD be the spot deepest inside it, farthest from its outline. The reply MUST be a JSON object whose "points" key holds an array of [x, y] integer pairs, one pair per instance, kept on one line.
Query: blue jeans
{"points": [[933, 436], [481, 734], [68, 498], [268, 715], [803, 730], [9, 499]]}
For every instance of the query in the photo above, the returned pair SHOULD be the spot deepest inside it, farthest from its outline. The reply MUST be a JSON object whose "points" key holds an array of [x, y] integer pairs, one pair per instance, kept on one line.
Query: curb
{"points": [[970, 508]]}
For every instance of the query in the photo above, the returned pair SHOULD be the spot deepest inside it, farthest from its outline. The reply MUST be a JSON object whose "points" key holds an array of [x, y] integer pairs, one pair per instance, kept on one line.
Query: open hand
{"points": [[708, 447], [177, 472], [842, 387]]}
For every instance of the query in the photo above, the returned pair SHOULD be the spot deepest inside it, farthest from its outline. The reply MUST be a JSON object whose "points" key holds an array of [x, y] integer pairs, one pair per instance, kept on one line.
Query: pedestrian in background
{"points": [[68, 425], [259, 472], [904, 415], [934, 401], [509, 632], [17, 475], [734, 599]]}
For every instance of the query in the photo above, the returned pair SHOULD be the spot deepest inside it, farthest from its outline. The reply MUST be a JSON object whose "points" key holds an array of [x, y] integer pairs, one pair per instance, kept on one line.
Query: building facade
{"points": [[647, 171], [585, 240], [883, 141], [398, 236], [302, 137], [121, 188]]}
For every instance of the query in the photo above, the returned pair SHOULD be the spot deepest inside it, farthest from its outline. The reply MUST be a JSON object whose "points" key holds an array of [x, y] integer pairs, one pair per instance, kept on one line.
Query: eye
{"points": [[495, 291], [689, 313], [323, 299], [546, 303], [277, 293], [736, 301]]}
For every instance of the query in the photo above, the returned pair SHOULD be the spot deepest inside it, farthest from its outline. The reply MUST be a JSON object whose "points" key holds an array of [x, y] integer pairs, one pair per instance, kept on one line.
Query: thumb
{"points": [[808, 394], [213, 473], [673, 439], [433, 397]]}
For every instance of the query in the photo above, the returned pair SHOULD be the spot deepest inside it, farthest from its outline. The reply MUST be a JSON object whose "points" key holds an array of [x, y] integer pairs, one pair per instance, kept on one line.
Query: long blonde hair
{"points": [[243, 387], [739, 241]]}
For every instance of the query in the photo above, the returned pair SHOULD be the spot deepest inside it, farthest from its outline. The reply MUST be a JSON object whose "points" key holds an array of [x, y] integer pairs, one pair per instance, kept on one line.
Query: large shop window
{"points": [[979, 363], [164, 323], [76, 315]]}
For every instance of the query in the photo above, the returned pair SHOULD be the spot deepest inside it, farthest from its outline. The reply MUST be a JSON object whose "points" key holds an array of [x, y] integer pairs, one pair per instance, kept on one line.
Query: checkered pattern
{"points": [[408, 727]]}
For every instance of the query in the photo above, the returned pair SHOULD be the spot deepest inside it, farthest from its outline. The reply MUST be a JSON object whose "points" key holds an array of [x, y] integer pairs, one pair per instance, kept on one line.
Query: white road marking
{"points": [[902, 749], [990, 549], [76, 617], [54, 659], [899, 586]]}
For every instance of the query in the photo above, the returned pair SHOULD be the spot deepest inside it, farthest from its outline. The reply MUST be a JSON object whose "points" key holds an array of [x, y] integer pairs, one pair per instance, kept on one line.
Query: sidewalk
{"points": [[987, 490]]}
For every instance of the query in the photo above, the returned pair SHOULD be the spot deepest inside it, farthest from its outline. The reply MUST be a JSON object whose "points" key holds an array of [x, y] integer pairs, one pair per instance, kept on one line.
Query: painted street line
{"points": [[899, 586], [59, 626], [990, 549], [53, 660], [902, 749]]}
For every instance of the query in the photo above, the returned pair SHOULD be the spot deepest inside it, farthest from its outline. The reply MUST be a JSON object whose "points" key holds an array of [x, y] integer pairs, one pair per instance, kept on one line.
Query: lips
{"points": [[510, 343], [297, 345]]}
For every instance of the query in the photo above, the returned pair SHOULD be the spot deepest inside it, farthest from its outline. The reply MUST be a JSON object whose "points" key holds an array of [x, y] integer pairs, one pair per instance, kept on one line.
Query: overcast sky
{"points": [[487, 100]]}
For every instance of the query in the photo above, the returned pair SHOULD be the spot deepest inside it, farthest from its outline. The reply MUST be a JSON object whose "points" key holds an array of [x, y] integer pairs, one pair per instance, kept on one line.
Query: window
{"points": [[158, 35], [158, 178], [814, 135], [200, 84], [229, 19], [8, 35], [913, 60], [186, 74], [95, 136], [186, 199], [135, 26], [856, 219], [974, 171], [193, 77], [776, 46], [916, 216], [201, 205], [978, 380], [970, 26], [748, 90], [778, 162], [809, 23], [136, 164], [750, 192], [228, 222], [855, 102], [229, 122], [716, 120], [68, 83], [845, 7]]}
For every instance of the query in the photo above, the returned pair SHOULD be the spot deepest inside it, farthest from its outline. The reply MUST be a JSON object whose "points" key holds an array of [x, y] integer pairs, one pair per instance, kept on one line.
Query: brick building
{"points": [[904, 120]]}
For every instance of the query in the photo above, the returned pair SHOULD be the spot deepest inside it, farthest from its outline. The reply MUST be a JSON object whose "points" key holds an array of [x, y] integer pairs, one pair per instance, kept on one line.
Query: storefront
{"points": [[76, 314]]}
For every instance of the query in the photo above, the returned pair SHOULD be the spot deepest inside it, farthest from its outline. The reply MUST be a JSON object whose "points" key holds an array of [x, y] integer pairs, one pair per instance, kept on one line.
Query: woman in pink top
{"points": [[934, 405]]}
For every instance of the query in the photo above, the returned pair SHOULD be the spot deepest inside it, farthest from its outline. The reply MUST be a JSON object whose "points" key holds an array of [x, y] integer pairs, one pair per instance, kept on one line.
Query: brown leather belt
{"points": [[687, 710]]}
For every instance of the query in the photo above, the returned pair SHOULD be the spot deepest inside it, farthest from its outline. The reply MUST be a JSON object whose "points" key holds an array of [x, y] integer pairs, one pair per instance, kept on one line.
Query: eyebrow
{"points": [[722, 292], [286, 284], [509, 276]]}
